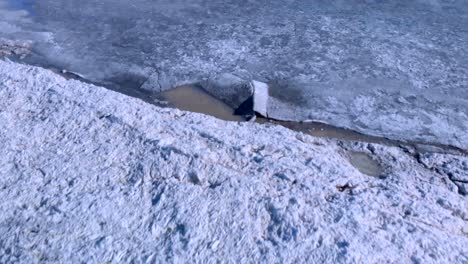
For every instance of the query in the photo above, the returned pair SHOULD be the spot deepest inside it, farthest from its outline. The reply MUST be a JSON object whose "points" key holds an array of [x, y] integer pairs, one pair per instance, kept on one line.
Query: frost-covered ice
{"points": [[90, 175], [390, 68]]}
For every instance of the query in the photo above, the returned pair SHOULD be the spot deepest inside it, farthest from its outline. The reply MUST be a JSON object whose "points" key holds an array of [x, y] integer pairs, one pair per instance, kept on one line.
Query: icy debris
{"points": [[91, 175], [14, 48], [455, 168], [260, 100], [229, 88], [158, 82]]}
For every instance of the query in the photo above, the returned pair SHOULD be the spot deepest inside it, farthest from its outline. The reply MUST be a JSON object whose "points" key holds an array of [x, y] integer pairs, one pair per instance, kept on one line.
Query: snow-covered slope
{"points": [[396, 69], [90, 175]]}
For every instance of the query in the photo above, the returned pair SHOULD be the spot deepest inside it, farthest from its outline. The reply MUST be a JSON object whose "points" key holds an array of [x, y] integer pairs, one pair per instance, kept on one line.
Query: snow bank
{"points": [[90, 175]]}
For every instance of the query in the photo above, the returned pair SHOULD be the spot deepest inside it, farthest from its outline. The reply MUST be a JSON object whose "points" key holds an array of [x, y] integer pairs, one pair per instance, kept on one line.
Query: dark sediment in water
{"points": [[194, 99]]}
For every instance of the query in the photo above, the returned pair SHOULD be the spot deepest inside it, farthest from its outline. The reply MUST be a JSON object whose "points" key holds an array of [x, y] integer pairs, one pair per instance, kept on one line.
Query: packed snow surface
{"points": [[90, 175], [395, 68]]}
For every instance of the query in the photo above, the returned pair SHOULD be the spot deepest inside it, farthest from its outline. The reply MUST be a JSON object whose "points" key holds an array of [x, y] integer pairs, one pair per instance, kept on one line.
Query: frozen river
{"points": [[397, 69]]}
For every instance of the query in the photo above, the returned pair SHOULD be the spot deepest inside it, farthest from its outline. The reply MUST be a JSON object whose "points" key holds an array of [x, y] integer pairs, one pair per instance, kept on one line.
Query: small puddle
{"points": [[318, 129], [365, 164], [195, 99]]}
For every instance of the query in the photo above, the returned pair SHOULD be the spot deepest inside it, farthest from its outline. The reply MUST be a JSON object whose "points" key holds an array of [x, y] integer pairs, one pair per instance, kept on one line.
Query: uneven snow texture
{"points": [[90, 175], [393, 68], [396, 69]]}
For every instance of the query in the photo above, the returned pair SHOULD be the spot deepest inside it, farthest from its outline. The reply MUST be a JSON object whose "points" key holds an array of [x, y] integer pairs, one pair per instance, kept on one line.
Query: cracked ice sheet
{"points": [[390, 68]]}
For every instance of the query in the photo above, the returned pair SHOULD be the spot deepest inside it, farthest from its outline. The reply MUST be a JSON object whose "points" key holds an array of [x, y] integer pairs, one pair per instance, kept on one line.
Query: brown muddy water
{"points": [[194, 98], [323, 130]]}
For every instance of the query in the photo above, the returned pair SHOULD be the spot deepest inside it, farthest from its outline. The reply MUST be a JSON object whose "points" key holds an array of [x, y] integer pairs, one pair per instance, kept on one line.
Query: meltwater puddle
{"points": [[194, 98], [323, 130], [365, 164]]}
